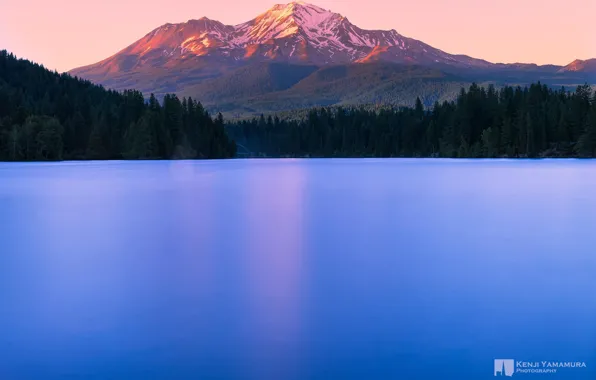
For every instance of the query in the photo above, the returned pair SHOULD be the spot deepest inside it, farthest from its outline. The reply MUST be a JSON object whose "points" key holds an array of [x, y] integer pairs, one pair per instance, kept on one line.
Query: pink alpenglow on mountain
{"points": [[296, 32], [305, 55], [578, 65]]}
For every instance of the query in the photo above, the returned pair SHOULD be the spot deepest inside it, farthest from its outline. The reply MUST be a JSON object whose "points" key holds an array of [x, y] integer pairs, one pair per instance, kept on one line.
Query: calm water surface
{"points": [[296, 269]]}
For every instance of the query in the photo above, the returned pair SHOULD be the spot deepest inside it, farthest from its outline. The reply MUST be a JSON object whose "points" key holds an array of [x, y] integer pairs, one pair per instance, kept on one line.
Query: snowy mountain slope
{"points": [[180, 57], [294, 32]]}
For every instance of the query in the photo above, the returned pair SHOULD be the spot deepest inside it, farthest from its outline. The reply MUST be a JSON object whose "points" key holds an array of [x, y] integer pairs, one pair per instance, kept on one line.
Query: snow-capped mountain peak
{"points": [[284, 20], [297, 31], [293, 32]]}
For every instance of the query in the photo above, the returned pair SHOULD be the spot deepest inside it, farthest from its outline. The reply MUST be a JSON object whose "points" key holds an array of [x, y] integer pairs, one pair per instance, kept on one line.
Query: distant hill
{"points": [[373, 83], [275, 87], [577, 66]]}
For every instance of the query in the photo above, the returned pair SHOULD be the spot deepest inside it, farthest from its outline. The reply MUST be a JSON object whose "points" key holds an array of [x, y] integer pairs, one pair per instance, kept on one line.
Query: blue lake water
{"points": [[296, 269]]}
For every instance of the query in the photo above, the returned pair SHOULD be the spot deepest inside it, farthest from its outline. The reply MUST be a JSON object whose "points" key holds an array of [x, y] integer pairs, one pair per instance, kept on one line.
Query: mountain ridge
{"points": [[179, 57], [580, 65], [296, 32]]}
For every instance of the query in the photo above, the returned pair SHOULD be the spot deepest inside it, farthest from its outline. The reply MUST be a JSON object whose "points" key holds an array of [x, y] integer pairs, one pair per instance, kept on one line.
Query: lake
{"points": [[296, 269]]}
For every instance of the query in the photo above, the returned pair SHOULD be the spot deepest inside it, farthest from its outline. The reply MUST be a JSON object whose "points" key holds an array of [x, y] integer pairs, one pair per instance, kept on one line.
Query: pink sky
{"points": [[64, 34]]}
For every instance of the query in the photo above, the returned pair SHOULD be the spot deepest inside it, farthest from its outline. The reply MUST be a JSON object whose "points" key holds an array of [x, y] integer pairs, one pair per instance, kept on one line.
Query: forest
{"points": [[49, 116], [514, 122]]}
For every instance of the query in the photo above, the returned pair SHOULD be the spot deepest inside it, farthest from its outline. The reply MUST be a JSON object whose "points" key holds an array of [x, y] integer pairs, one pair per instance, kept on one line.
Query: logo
{"points": [[509, 367], [504, 367]]}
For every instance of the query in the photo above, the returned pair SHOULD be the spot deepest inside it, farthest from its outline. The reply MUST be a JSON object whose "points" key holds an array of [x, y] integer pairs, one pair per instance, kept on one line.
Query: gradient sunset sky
{"points": [[64, 34]]}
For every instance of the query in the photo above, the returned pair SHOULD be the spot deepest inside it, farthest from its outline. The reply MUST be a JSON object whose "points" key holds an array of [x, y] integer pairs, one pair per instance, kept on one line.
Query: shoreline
{"points": [[307, 158]]}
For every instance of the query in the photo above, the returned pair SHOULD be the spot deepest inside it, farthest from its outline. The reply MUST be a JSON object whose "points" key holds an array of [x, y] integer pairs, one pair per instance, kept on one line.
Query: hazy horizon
{"points": [[68, 34]]}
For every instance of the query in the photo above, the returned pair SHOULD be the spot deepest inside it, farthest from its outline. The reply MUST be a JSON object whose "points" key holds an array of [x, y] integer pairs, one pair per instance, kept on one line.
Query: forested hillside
{"points": [[49, 116], [536, 121], [278, 88]]}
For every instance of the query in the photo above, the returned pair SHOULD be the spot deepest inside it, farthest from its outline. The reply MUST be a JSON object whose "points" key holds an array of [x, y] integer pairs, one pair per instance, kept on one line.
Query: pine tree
{"points": [[586, 145], [95, 148]]}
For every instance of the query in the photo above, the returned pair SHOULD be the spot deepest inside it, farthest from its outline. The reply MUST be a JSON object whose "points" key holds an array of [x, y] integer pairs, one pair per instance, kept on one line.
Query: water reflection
{"points": [[274, 237], [294, 269]]}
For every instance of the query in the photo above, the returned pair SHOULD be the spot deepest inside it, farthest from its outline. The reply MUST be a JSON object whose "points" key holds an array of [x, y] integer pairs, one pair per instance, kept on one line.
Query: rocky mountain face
{"points": [[181, 57], [587, 66], [296, 32]]}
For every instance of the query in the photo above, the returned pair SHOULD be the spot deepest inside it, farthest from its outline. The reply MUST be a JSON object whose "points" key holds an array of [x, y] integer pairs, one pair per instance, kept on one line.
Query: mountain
{"points": [[200, 56], [296, 33], [587, 66]]}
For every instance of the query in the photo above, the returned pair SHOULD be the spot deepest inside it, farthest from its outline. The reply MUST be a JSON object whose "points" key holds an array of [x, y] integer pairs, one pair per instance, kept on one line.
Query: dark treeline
{"points": [[49, 116], [512, 122]]}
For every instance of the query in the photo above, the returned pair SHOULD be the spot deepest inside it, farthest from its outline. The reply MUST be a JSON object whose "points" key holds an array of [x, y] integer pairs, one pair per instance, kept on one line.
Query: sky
{"points": [[64, 34]]}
